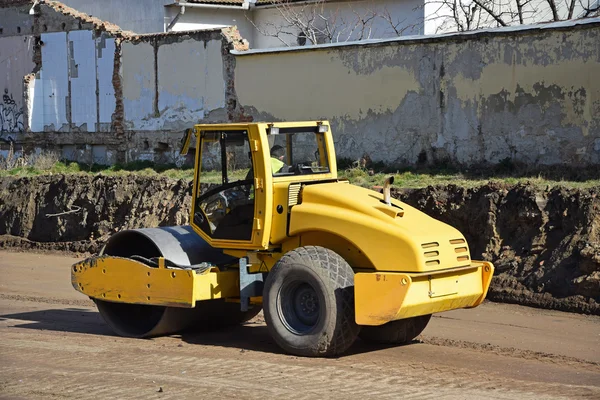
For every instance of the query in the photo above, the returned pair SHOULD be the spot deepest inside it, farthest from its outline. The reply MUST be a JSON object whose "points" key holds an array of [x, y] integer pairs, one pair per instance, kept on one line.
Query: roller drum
{"points": [[179, 244]]}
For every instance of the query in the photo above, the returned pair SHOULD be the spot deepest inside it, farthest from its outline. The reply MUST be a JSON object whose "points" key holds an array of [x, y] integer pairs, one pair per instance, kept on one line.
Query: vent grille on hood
{"points": [[294, 194]]}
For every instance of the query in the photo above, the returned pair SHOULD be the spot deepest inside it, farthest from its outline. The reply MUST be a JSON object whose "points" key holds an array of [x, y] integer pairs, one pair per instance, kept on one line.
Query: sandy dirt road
{"points": [[54, 345]]}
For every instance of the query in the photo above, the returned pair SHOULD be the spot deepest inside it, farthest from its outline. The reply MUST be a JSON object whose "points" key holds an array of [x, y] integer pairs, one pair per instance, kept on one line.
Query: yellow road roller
{"points": [[273, 228]]}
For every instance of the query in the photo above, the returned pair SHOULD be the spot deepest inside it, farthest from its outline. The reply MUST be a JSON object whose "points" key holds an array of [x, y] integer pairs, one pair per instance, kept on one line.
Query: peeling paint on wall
{"points": [[176, 89], [137, 70], [531, 97], [92, 90]]}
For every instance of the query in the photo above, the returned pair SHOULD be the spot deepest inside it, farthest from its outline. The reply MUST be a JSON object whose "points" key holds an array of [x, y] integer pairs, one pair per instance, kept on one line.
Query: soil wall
{"points": [[545, 244]]}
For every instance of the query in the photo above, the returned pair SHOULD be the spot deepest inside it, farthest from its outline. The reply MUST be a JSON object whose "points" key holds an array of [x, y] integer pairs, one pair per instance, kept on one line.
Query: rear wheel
{"points": [[308, 301], [395, 332]]}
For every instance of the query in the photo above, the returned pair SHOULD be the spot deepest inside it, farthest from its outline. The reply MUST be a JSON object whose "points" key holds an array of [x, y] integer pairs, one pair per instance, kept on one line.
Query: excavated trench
{"points": [[545, 244]]}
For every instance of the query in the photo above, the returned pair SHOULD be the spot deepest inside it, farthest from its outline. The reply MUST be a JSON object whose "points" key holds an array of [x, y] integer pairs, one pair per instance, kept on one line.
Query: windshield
{"points": [[297, 151]]}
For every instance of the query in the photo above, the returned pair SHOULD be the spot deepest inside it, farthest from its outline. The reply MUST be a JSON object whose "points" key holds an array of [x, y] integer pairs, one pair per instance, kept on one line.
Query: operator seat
{"points": [[237, 224]]}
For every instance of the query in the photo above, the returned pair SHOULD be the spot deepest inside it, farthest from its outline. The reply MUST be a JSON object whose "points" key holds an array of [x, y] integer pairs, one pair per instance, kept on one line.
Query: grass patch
{"points": [[416, 179], [407, 178]]}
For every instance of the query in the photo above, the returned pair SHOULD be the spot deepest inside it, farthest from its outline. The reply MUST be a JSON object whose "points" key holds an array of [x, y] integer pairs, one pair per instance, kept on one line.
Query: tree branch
{"points": [[491, 13]]}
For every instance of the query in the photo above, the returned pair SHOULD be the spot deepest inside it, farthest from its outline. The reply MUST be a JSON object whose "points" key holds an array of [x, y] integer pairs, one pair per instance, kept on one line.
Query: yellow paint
{"points": [[264, 207], [385, 297], [124, 280], [280, 198], [378, 297], [186, 142], [318, 83], [341, 245], [391, 237]]}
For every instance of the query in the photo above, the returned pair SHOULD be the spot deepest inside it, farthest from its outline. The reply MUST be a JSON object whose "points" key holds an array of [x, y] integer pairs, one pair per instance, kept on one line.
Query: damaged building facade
{"points": [[96, 94]]}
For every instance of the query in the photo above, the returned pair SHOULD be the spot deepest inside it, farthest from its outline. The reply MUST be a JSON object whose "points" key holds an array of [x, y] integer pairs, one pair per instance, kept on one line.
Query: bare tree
{"points": [[465, 15], [321, 22]]}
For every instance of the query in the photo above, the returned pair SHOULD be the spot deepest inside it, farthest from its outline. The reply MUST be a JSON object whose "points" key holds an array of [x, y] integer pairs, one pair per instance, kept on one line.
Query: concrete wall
{"points": [[168, 84], [73, 89], [140, 16], [532, 96]]}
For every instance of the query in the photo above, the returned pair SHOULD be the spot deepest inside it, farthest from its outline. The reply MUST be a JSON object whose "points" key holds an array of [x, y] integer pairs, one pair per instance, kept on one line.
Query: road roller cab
{"points": [[272, 227]]}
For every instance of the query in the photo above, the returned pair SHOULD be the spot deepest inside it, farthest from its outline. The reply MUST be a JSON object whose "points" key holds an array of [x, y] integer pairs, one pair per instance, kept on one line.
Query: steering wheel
{"points": [[224, 187], [220, 202], [201, 221], [303, 168]]}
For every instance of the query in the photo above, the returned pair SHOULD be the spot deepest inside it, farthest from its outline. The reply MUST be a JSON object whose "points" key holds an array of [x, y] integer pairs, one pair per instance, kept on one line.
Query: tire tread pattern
{"points": [[341, 277]]}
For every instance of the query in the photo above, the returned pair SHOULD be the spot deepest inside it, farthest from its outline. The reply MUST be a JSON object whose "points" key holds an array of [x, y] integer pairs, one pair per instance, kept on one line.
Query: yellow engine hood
{"points": [[394, 238]]}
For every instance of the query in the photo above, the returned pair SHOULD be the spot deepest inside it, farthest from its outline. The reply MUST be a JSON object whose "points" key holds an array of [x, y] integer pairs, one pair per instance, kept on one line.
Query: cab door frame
{"points": [[263, 196]]}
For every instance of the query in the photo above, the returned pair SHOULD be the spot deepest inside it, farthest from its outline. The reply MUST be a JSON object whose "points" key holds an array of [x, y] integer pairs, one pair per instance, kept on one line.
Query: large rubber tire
{"points": [[308, 302], [395, 332]]}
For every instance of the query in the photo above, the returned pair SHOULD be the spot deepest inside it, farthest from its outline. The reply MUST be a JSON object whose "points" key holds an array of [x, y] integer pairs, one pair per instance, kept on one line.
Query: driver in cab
{"points": [[277, 156]]}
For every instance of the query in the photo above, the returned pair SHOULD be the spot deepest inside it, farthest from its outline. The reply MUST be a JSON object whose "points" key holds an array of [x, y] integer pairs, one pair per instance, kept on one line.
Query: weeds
{"points": [[11, 160], [15, 162], [357, 172]]}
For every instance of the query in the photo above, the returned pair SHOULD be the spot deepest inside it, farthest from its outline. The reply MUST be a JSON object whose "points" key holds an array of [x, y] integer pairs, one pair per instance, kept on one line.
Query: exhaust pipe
{"points": [[386, 190]]}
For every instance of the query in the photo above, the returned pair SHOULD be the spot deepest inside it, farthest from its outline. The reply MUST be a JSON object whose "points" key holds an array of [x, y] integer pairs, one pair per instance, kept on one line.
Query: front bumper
{"points": [[123, 280], [381, 297]]}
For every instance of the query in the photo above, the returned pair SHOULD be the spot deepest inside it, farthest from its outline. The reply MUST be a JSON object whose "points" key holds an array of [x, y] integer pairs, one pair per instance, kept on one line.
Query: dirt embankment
{"points": [[545, 244]]}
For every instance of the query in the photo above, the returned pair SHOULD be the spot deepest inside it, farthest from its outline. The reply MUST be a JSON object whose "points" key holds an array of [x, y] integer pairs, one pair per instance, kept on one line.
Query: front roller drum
{"points": [[143, 321], [183, 246]]}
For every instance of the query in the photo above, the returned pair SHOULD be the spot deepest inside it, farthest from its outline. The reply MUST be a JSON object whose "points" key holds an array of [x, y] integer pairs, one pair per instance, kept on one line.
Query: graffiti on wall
{"points": [[11, 115]]}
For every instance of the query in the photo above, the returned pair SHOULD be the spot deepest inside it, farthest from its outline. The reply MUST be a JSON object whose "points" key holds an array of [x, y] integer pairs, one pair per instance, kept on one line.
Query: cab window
{"points": [[224, 209], [297, 151]]}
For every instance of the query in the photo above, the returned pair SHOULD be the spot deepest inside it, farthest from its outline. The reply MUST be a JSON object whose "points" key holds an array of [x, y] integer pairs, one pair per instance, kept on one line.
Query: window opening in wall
{"points": [[45, 28], [1, 31], [18, 29], [63, 26]]}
